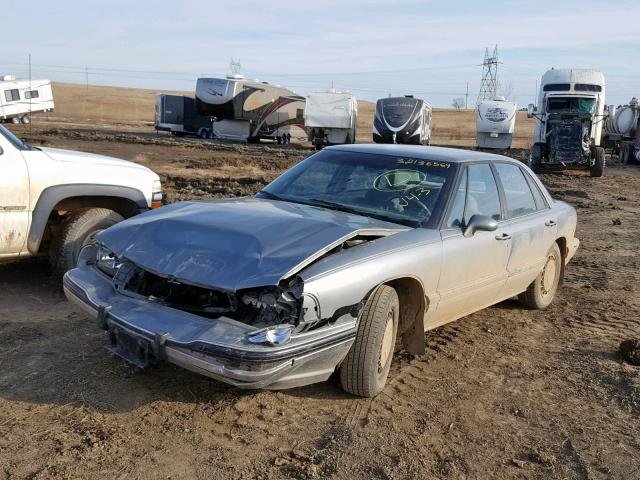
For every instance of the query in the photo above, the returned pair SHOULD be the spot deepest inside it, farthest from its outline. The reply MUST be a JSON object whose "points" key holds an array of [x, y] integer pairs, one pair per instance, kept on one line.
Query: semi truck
{"points": [[622, 131], [21, 98], [495, 122], [250, 110], [402, 120], [570, 115], [330, 118]]}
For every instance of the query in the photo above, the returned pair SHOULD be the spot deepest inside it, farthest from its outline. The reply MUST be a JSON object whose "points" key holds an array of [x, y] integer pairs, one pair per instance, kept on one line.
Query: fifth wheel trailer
{"points": [[495, 122], [570, 114], [249, 110], [330, 118], [20, 98], [402, 120]]}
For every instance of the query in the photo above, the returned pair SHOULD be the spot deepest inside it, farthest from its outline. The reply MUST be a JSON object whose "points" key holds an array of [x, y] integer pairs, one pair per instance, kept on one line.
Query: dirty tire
{"points": [[535, 158], [364, 372], [15, 120], [77, 230], [597, 169], [26, 119], [542, 290]]}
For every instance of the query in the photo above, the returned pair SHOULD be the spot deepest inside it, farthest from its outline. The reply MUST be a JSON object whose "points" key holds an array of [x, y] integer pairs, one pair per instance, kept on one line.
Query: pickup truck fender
{"points": [[51, 196]]}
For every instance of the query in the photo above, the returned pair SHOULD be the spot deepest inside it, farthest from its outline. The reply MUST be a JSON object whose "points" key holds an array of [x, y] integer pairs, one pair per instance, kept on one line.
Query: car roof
{"points": [[438, 154]]}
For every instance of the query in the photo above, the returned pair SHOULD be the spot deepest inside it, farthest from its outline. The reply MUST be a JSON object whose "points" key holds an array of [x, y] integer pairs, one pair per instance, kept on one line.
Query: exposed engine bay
{"points": [[259, 307], [568, 138]]}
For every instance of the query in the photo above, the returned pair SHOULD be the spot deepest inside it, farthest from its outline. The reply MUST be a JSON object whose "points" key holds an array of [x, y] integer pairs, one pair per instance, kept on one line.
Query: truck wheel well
{"points": [[413, 305], [123, 206]]}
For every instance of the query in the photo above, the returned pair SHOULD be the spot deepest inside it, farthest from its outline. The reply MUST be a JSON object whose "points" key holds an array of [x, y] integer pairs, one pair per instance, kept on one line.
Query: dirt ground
{"points": [[505, 393]]}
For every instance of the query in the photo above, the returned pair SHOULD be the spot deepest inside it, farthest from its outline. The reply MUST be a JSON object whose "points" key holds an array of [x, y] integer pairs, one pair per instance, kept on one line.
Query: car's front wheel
{"points": [[79, 229], [542, 290], [365, 370]]}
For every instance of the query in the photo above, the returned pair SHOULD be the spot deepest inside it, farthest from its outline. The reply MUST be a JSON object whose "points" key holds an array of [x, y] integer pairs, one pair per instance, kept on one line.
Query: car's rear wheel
{"points": [[542, 290], [365, 370], [79, 229]]}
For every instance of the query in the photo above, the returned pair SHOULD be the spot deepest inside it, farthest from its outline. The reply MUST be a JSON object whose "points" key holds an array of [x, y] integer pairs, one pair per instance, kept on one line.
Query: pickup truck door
{"points": [[474, 269], [14, 199]]}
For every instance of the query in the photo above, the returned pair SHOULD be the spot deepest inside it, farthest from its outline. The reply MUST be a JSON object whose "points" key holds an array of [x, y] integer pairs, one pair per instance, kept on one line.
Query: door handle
{"points": [[503, 236], [550, 223]]}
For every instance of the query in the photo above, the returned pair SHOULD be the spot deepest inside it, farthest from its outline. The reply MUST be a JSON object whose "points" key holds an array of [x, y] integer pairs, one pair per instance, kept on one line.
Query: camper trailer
{"points": [[177, 114], [249, 110], [21, 98], [495, 122], [569, 117], [330, 118], [402, 120]]}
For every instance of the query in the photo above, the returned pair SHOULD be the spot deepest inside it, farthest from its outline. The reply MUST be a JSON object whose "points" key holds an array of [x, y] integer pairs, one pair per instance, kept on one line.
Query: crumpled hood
{"points": [[62, 155], [236, 243]]}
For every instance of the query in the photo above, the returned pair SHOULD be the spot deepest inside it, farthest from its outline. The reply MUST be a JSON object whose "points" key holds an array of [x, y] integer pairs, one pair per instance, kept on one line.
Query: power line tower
{"points": [[489, 82], [235, 66]]}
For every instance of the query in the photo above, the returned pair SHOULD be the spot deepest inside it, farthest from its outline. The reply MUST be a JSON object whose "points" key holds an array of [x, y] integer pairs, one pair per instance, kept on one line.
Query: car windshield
{"points": [[397, 189], [571, 105], [15, 141]]}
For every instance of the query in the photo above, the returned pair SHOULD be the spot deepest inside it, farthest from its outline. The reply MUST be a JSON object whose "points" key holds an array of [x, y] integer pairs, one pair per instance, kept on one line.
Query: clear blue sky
{"points": [[373, 48]]}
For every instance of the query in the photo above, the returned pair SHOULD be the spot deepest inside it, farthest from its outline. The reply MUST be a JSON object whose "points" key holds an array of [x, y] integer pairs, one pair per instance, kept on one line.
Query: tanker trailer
{"points": [[622, 131]]}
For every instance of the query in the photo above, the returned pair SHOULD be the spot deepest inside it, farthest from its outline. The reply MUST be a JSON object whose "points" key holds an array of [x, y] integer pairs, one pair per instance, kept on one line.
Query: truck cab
{"points": [[53, 201], [570, 114]]}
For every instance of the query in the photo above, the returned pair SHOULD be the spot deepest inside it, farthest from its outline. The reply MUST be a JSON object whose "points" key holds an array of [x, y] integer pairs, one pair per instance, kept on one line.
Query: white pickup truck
{"points": [[54, 201]]}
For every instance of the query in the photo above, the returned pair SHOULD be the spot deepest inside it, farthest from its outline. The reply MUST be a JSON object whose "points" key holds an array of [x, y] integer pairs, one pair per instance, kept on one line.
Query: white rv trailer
{"points": [[570, 114], [249, 110], [20, 98], [330, 118], [495, 122]]}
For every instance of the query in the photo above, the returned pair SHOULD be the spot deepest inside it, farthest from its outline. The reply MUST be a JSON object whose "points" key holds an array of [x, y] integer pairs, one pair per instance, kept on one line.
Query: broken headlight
{"points": [[107, 261]]}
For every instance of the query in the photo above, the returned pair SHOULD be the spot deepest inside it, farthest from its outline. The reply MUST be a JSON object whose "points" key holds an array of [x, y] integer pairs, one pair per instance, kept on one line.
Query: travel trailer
{"points": [[21, 98], [330, 118], [177, 114], [495, 122], [570, 114], [402, 120], [250, 110]]}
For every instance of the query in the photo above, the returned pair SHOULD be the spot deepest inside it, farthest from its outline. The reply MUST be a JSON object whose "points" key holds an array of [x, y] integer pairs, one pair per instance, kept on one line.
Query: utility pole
{"points": [[86, 76], [466, 98], [30, 93]]}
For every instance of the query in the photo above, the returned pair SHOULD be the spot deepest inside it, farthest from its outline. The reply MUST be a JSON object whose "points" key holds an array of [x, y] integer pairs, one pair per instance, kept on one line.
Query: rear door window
{"points": [[520, 200]]}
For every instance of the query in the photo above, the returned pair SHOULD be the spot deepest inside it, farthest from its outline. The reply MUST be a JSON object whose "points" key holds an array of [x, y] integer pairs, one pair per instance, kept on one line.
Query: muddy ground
{"points": [[505, 393]]}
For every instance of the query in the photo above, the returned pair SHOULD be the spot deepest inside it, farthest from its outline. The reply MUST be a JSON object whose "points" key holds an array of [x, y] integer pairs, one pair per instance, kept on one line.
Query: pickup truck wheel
{"points": [[79, 229], [542, 290], [365, 370], [597, 169]]}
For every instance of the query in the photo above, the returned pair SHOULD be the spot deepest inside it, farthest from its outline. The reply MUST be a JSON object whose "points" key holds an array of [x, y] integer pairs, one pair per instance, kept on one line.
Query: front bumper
{"points": [[217, 348]]}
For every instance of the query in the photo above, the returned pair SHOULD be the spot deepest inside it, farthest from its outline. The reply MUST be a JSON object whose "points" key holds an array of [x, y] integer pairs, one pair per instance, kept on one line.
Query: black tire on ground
{"points": [[15, 120], [597, 169], [623, 154], [279, 140], [25, 119], [288, 138], [365, 369], [79, 229], [535, 157], [542, 290]]}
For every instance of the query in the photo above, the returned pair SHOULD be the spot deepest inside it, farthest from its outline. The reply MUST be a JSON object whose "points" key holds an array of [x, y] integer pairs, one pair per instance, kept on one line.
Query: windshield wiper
{"points": [[335, 206]]}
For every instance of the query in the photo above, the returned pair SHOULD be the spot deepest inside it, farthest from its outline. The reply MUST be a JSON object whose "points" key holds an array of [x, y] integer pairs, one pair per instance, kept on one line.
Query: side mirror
{"points": [[531, 110], [479, 223]]}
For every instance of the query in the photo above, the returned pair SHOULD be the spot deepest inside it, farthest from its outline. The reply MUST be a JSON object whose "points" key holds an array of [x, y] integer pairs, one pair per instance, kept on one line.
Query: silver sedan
{"points": [[348, 256]]}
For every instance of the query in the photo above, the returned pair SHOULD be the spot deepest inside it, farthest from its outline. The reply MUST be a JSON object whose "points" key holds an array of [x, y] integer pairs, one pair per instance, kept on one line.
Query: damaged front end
{"points": [[569, 139], [268, 337]]}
